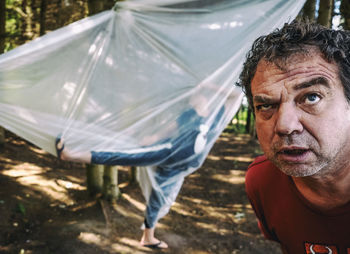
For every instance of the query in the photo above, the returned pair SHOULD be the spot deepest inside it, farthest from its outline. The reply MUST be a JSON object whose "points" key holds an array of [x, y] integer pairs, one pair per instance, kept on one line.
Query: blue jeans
{"points": [[158, 198], [163, 198]]}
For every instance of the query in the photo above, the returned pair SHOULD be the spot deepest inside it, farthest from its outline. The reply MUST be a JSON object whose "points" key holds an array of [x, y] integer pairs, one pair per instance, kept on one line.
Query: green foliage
{"points": [[11, 26], [13, 23], [11, 31], [239, 123], [21, 209], [235, 128]]}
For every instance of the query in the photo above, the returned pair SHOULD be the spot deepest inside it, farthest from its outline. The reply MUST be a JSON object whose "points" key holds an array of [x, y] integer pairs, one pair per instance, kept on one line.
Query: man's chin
{"points": [[297, 170]]}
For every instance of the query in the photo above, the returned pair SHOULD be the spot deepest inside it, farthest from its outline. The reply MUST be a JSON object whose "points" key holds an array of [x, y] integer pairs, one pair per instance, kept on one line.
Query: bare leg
{"points": [[84, 157], [149, 239]]}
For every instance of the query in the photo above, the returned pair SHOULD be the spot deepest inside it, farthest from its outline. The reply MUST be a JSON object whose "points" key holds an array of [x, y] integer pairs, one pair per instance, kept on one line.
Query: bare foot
{"points": [[59, 148], [66, 155], [148, 240], [154, 244], [62, 152]]}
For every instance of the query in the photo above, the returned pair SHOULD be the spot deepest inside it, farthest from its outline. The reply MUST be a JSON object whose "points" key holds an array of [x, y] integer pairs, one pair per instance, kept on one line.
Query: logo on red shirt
{"points": [[312, 248]]}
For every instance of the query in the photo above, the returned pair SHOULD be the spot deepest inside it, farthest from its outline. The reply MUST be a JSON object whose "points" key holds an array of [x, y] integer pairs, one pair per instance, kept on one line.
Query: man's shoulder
{"points": [[262, 165], [259, 161], [262, 172]]}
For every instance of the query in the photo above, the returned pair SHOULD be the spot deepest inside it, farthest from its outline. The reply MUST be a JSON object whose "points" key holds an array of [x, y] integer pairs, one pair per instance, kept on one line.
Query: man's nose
{"points": [[288, 120]]}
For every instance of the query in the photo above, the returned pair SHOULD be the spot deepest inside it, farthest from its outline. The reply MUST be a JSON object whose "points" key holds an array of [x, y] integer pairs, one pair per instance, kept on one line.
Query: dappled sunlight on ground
{"points": [[23, 169], [90, 238], [83, 206], [33, 176], [235, 177], [127, 212], [230, 158], [122, 245], [209, 227], [126, 245], [45, 208], [137, 204]]}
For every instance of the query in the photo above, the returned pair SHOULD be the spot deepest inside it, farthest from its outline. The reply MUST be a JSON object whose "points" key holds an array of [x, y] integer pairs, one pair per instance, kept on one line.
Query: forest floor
{"points": [[45, 208]]}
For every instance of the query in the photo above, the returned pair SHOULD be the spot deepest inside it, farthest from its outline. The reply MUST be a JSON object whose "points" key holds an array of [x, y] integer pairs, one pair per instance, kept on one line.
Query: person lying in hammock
{"points": [[171, 156]]}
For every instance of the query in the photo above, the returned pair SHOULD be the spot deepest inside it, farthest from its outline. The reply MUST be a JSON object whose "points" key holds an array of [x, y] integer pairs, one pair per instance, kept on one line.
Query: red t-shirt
{"points": [[287, 217]]}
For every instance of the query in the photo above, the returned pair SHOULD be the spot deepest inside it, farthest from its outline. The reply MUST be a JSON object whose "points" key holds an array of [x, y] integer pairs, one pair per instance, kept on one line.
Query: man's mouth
{"points": [[293, 152]]}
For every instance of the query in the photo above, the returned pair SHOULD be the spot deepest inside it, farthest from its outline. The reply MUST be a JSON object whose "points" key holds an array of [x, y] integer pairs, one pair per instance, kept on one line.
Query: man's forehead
{"points": [[288, 63], [296, 65]]}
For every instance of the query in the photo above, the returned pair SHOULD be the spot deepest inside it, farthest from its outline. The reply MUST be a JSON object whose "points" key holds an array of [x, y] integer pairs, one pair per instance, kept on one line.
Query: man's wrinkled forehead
{"points": [[300, 53], [309, 57], [297, 70], [285, 62]]}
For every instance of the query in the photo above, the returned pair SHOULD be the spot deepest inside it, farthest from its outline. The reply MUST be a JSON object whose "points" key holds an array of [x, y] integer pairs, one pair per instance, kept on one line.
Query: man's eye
{"points": [[312, 98], [264, 107]]}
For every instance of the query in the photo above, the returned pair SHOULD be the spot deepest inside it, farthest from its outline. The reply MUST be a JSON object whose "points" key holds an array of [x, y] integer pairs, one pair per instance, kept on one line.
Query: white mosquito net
{"points": [[147, 75]]}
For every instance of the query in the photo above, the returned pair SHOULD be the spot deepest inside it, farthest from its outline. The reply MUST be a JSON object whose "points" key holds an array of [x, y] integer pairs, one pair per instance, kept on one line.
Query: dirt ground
{"points": [[45, 208]]}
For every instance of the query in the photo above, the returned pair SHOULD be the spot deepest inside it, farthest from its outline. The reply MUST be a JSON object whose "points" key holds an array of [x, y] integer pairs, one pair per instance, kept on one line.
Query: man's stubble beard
{"points": [[310, 168]]}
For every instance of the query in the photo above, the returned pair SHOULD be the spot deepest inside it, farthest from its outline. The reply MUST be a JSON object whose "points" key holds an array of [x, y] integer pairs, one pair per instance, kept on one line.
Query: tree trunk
{"points": [[333, 13], [101, 178], [2, 136], [95, 6], [2, 49], [43, 7], [325, 13], [237, 118], [248, 122], [94, 178], [110, 183], [132, 175], [94, 173], [27, 25], [2, 25], [309, 10], [345, 13]]}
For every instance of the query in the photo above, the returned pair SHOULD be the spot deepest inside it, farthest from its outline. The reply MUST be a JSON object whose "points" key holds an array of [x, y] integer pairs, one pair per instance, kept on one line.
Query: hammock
{"points": [[120, 81]]}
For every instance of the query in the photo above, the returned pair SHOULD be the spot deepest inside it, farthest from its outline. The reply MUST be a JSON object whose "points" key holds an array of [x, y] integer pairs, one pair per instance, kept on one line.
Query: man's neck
{"points": [[325, 192]]}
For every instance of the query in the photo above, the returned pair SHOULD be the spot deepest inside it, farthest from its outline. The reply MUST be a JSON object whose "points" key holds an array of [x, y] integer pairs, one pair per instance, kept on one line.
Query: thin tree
{"points": [[27, 24], [43, 7], [2, 49], [309, 10], [101, 179], [95, 6], [2, 25], [345, 13], [325, 12], [249, 120]]}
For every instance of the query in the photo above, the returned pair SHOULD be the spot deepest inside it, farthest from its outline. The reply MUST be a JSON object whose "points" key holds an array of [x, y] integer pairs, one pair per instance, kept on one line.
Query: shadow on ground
{"points": [[45, 208]]}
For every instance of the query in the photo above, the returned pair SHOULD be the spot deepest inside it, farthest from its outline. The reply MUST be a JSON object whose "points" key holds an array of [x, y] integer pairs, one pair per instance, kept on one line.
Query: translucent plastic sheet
{"points": [[145, 76]]}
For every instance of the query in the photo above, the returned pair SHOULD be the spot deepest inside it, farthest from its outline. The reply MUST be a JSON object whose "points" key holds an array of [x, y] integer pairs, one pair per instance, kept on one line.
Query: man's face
{"points": [[302, 115]]}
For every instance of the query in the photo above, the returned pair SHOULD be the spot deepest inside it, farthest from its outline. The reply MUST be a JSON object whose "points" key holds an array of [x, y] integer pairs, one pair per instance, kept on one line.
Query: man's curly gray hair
{"points": [[297, 38]]}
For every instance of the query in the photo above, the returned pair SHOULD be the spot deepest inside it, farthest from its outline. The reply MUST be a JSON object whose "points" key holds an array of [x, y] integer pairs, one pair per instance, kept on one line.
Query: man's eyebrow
{"points": [[312, 82], [316, 81], [262, 99]]}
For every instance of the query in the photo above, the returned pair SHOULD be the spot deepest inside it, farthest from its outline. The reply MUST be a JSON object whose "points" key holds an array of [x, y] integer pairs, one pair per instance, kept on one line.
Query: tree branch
{"points": [[18, 10]]}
